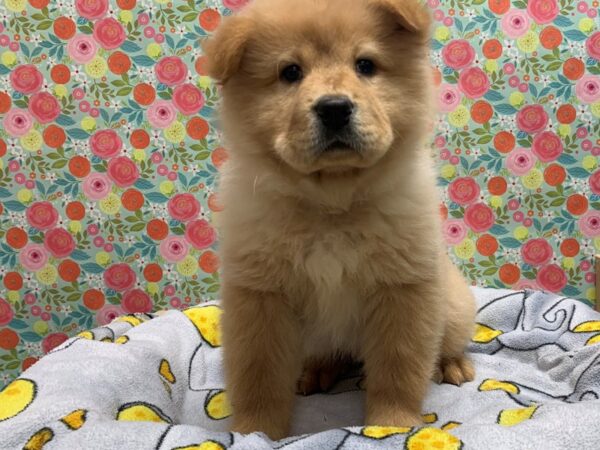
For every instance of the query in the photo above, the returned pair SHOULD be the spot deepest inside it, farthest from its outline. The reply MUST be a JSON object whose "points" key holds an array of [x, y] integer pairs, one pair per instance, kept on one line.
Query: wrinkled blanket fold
{"points": [[156, 383]]}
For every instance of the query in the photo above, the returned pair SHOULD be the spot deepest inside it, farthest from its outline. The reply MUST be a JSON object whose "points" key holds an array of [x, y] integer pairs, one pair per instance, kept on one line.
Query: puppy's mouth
{"points": [[338, 146]]}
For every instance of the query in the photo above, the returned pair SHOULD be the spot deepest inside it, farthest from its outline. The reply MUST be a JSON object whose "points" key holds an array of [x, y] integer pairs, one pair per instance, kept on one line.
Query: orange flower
{"points": [[60, 74], [219, 156], [197, 128], [75, 210], [551, 37], [5, 102], [64, 28], [554, 174], [13, 281], [132, 199], [144, 94], [153, 273], [566, 114], [93, 299], [69, 270], [119, 63], [509, 274], [139, 139], [209, 19], [54, 136], [16, 237], [497, 186], [157, 229], [577, 204], [209, 262], [573, 68], [481, 112], [79, 166], [504, 142]]}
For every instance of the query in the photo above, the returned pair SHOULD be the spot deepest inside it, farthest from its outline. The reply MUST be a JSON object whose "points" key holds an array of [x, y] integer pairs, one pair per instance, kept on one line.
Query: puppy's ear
{"points": [[410, 15], [225, 49]]}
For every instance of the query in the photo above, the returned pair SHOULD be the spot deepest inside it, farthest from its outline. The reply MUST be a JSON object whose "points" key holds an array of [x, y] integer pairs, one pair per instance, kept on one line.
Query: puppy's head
{"points": [[324, 86]]}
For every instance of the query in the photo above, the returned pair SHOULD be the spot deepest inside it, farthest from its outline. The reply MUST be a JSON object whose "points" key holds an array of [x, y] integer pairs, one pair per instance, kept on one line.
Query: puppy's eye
{"points": [[292, 73], [365, 67]]}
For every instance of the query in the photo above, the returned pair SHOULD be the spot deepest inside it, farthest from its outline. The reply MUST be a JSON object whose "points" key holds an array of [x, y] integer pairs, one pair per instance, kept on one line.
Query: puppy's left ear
{"points": [[410, 15], [225, 49]]}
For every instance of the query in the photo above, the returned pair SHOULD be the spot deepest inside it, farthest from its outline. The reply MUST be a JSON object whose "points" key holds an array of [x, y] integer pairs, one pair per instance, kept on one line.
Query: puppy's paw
{"points": [[455, 371], [321, 374]]}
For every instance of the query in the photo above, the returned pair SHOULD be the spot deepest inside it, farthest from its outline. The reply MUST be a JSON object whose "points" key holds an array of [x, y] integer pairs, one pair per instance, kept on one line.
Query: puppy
{"points": [[330, 235]]}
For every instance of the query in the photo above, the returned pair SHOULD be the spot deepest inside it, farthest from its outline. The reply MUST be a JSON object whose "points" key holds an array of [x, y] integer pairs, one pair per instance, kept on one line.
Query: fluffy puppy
{"points": [[330, 235]]}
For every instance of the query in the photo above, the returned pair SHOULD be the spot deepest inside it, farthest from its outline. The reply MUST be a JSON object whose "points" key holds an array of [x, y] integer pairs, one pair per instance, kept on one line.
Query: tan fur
{"points": [[339, 254]]}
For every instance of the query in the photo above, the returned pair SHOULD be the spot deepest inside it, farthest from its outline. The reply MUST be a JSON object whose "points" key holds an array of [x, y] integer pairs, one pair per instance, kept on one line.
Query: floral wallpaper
{"points": [[109, 154]]}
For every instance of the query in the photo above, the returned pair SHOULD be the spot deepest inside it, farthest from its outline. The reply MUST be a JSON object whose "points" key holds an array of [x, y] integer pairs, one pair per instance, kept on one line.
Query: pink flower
{"points": [[17, 122], [136, 301], [473, 82], [552, 278], [91, 9], [81, 48], [458, 54], [547, 146], [33, 257], [200, 234], [52, 341], [515, 23], [595, 182], [161, 114], [44, 107], [171, 71], [479, 217], [106, 144], [188, 99], [59, 242], [109, 33], [463, 191], [119, 277], [520, 161], [184, 207], [42, 215], [454, 231], [449, 97], [593, 46], [536, 252], [6, 313], [543, 11], [589, 223], [173, 249], [235, 5], [109, 313], [26, 79], [123, 171], [588, 89], [526, 284], [532, 119], [96, 186]]}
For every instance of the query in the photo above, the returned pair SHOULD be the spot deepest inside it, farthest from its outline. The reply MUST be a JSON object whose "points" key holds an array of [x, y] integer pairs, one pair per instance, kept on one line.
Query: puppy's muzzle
{"points": [[334, 112]]}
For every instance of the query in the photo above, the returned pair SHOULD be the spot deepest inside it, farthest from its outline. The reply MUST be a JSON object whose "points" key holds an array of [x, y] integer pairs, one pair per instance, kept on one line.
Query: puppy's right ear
{"points": [[225, 49]]}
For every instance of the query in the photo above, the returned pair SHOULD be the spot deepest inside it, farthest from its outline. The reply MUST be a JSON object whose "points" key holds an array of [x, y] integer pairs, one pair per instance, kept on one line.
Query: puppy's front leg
{"points": [[401, 344], [261, 343]]}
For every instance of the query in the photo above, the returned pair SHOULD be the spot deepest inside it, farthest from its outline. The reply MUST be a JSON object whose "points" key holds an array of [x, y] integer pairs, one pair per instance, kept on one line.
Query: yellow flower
{"points": [[8, 58], [32, 141], [596, 109], [597, 243], [75, 226], [529, 42], [24, 195], [166, 187], [448, 171], [60, 91], [40, 327], [496, 202], [521, 233], [111, 204], [126, 16], [590, 294], [465, 250], [97, 67], [568, 263], [152, 288], [590, 162], [13, 296], [162, 2], [204, 82], [15, 5], [586, 25], [47, 275], [491, 66], [1, 164], [139, 154], [103, 258], [188, 267], [175, 132], [516, 99], [533, 179], [442, 34], [564, 130], [459, 117], [153, 50], [88, 123]]}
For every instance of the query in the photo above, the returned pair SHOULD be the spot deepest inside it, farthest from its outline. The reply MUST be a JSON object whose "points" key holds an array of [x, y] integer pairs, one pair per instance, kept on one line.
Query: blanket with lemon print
{"points": [[146, 382]]}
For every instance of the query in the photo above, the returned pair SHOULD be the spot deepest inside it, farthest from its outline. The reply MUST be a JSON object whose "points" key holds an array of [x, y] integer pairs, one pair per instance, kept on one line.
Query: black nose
{"points": [[334, 111]]}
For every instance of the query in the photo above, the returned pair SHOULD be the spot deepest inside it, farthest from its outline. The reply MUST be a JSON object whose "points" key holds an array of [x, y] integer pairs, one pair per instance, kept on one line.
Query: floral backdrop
{"points": [[108, 155]]}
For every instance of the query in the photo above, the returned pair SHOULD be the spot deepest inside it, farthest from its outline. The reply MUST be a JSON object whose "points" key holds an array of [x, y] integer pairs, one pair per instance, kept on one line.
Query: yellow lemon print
{"points": [[217, 407], [511, 417], [451, 425], [16, 397], [433, 439], [165, 370], [141, 412], [207, 445], [75, 420], [485, 334], [39, 439], [86, 335], [593, 340], [131, 320], [587, 327], [107, 340], [495, 385], [383, 432], [122, 340], [206, 319], [430, 418]]}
